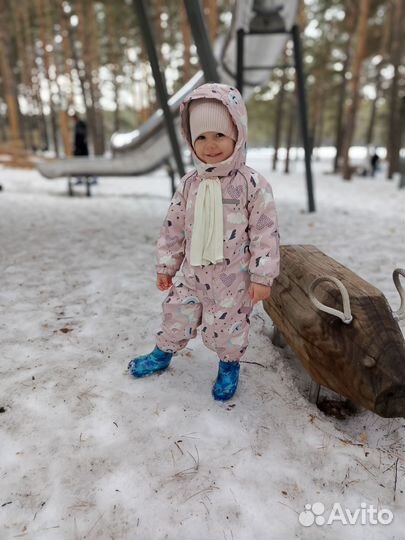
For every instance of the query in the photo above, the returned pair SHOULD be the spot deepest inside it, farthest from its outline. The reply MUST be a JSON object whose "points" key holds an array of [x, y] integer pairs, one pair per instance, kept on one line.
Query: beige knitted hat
{"points": [[210, 115]]}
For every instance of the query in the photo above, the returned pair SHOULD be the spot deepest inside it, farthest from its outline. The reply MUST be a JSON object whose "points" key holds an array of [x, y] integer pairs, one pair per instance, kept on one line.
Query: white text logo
{"points": [[365, 515]]}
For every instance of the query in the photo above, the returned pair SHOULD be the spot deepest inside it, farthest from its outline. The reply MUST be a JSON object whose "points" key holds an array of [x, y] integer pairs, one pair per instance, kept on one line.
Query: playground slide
{"points": [[148, 148]]}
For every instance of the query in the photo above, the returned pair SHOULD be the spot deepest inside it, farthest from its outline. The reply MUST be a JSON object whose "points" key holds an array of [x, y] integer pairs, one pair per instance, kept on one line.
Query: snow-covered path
{"points": [[86, 452]]}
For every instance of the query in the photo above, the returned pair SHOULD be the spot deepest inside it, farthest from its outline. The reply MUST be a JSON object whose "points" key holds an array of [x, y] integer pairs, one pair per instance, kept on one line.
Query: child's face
{"points": [[212, 147]]}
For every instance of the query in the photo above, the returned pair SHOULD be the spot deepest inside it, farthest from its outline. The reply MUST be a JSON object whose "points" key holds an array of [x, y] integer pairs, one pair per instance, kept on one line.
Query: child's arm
{"points": [[264, 246], [171, 245]]}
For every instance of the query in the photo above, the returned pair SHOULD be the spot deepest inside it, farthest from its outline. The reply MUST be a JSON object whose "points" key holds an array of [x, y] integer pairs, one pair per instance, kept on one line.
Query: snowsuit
{"points": [[216, 296]]}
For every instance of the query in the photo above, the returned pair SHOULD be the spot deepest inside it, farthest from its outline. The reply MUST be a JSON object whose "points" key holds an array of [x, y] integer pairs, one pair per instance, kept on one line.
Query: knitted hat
{"points": [[210, 115]]}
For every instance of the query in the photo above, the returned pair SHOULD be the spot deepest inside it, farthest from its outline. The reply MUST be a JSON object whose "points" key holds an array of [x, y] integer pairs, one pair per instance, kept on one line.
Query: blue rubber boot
{"points": [[157, 360], [227, 380]]}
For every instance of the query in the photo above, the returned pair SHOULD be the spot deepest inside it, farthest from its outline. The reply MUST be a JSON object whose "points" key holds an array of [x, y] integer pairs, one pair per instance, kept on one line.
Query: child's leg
{"points": [[226, 331], [181, 317]]}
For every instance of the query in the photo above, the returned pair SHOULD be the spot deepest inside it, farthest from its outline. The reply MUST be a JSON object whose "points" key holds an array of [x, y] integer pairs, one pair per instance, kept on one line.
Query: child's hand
{"points": [[163, 282], [258, 292]]}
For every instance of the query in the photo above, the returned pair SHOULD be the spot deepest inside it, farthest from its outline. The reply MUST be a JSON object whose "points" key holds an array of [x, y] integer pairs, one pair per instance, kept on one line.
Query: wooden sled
{"points": [[356, 351]]}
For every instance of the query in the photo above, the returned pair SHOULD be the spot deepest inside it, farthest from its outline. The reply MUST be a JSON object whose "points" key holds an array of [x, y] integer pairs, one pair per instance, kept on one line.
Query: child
{"points": [[219, 238]]}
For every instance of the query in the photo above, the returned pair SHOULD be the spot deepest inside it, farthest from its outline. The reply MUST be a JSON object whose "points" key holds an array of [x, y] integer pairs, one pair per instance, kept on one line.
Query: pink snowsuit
{"points": [[216, 296]]}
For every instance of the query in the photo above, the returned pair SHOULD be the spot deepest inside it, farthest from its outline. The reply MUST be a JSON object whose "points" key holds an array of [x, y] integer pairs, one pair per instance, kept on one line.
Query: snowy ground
{"points": [[86, 452]]}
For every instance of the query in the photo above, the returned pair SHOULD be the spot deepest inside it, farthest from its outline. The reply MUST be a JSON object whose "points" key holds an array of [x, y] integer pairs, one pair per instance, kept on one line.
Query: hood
{"points": [[233, 101]]}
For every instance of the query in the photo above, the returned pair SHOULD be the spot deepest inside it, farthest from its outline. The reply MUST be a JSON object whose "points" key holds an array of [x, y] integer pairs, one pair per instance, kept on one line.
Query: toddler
{"points": [[219, 241]]}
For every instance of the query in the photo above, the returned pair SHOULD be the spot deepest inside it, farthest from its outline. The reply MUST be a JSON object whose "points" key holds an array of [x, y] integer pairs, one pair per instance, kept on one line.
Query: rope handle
{"points": [[400, 313], [346, 314]]}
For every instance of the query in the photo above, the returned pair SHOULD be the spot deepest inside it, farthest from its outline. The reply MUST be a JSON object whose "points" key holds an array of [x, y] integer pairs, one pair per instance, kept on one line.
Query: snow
{"points": [[88, 452]]}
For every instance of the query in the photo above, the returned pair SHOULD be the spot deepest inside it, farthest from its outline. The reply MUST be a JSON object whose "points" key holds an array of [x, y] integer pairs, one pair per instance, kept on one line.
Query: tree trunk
{"points": [[318, 117], [343, 87], [290, 129], [113, 57], [61, 69], [402, 119], [41, 118], [65, 132], [92, 58], [85, 73], [186, 33], [373, 111], [319, 141], [394, 128], [155, 9], [40, 138], [60, 59], [25, 75], [356, 69], [211, 17], [42, 12], [9, 82], [3, 134], [80, 74], [279, 119], [378, 79], [339, 114], [68, 62]]}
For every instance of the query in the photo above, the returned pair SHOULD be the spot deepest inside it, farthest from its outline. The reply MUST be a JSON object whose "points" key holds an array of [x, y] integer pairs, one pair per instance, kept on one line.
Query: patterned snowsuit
{"points": [[215, 296]]}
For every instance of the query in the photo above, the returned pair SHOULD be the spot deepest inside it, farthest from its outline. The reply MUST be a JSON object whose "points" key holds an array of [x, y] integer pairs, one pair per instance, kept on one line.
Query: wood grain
{"points": [[363, 361]]}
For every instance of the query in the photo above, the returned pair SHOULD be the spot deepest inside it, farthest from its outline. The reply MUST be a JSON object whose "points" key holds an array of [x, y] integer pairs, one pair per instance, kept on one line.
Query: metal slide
{"points": [[145, 149]]}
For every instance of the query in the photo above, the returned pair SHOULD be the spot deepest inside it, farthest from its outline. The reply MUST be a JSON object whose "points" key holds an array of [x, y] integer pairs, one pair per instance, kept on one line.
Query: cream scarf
{"points": [[208, 227]]}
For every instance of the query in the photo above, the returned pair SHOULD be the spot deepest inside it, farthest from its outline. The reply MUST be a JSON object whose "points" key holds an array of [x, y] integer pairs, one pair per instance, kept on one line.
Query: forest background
{"points": [[87, 56]]}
